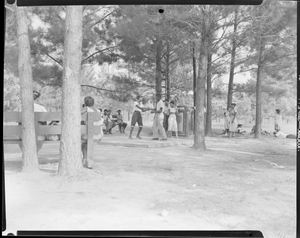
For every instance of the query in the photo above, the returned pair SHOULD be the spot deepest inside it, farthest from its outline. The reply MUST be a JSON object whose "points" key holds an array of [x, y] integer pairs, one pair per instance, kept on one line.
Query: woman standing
{"points": [[226, 121], [172, 123], [278, 120], [232, 120]]}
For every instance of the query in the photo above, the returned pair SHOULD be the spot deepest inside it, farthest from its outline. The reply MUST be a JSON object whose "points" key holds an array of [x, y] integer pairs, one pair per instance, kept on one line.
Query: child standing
{"points": [[172, 123]]}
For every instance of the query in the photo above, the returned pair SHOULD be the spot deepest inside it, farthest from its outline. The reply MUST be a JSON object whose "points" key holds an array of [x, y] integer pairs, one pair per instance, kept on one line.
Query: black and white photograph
{"points": [[151, 117]]}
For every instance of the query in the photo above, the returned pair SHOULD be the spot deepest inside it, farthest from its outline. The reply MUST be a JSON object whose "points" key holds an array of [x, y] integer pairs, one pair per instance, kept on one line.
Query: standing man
{"points": [[137, 116], [158, 119], [166, 114]]}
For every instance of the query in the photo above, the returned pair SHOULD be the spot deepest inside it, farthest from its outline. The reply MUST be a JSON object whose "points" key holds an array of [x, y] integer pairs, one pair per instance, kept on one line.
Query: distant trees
{"points": [[267, 45], [157, 50]]}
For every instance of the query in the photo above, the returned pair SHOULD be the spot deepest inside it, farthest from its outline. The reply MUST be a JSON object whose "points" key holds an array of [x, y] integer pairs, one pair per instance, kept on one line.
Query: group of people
{"points": [[231, 127], [109, 121], [164, 118], [230, 120]]}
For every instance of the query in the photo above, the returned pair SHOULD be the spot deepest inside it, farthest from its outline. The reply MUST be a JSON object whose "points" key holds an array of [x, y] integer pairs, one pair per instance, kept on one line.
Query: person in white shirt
{"points": [[138, 108], [158, 119], [89, 102], [278, 120]]}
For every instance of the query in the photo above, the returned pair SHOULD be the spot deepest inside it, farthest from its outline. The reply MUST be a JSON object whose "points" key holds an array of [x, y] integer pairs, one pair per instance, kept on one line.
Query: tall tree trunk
{"points": [[258, 119], [158, 67], [208, 127], [194, 82], [199, 137], [70, 144], [168, 95], [232, 62], [29, 147]]}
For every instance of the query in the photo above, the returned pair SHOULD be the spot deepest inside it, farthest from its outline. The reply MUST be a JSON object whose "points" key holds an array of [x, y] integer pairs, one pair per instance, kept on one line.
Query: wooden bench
{"points": [[11, 133]]}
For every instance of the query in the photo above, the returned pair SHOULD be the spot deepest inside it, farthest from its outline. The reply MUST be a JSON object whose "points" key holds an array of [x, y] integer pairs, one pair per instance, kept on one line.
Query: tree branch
{"points": [[97, 52], [282, 56], [241, 71], [53, 59], [102, 19], [103, 89]]}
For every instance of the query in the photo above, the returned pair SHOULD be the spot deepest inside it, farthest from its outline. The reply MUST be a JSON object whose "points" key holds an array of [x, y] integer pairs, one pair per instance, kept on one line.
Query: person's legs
{"points": [[139, 131], [175, 129], [124, 125], [169, 132], [130, 133], [106, 127], [165, 122], [109, 125], [133, 122], [140, 123], [169, 128], [161, 129], [120, 127], [155, 128], [84, 152]]}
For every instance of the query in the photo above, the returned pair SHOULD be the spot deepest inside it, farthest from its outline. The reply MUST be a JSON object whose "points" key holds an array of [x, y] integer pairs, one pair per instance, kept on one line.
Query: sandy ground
{"points": [[237, 184]]}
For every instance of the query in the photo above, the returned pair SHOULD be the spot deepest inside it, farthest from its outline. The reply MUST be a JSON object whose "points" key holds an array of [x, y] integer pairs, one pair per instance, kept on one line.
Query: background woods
{"points": [[248, 57]]}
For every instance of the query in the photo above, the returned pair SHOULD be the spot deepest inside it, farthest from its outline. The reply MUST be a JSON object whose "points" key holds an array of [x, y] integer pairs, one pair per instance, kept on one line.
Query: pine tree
{"points": [[70, 145]]}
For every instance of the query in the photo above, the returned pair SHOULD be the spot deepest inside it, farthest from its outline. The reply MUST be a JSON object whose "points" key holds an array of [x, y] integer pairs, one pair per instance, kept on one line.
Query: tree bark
{"points": [[70, 144], [258, 119], [158, 67], [208, 126], [29, 147], [232, 62], [168, 95], [199, 137], [194, 83]]}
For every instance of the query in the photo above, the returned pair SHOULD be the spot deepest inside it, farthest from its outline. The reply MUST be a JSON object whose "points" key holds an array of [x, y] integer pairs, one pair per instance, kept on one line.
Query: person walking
{"points": [[278, 120], [172, 123], [158, 119], [138, 108], [232, 120]]}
